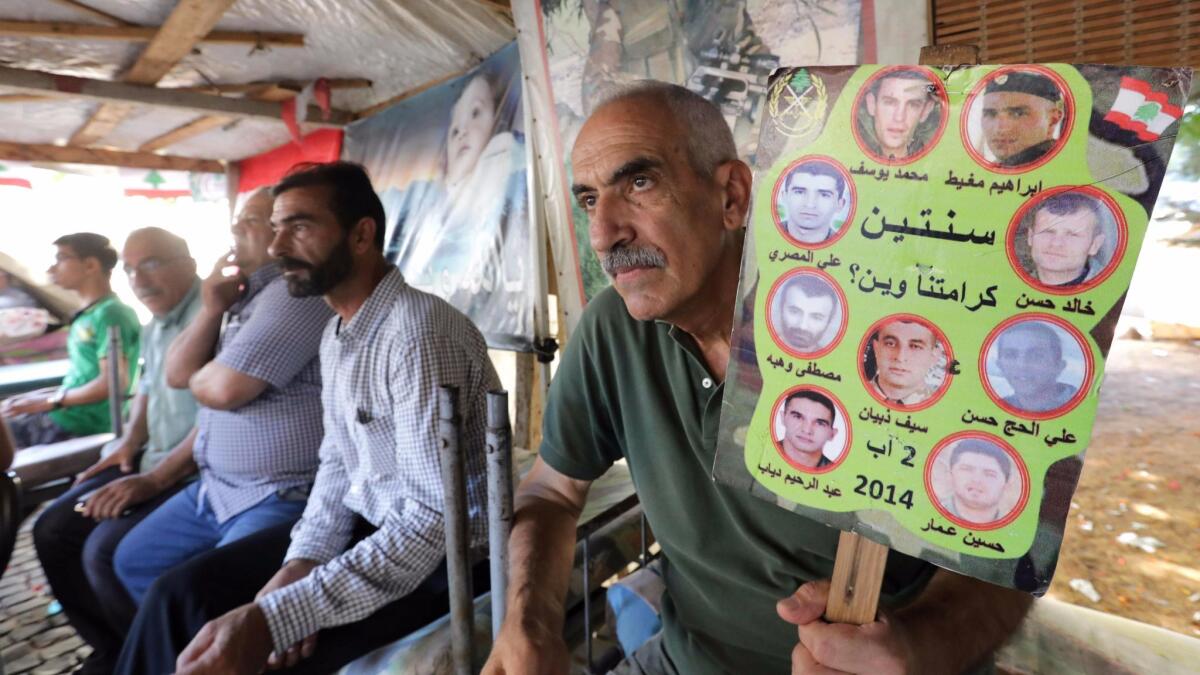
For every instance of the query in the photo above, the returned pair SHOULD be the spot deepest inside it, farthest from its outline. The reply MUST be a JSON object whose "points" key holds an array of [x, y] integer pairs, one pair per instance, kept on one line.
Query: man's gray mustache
{"points": [[625, 257]]}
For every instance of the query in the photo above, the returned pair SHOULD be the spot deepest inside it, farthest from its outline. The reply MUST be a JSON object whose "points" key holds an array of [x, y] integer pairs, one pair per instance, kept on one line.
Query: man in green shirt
{"points": [[79, 407], [657, 172], [76, 551]]}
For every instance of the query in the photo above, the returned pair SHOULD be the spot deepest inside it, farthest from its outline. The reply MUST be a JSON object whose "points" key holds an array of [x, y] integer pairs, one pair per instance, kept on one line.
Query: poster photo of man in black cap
{"points": [[1019, 120]]}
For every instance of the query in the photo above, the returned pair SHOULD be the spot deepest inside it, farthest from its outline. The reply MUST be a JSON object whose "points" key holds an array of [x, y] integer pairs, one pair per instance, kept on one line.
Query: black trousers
{"points": [[77, 556], [181, 601]]}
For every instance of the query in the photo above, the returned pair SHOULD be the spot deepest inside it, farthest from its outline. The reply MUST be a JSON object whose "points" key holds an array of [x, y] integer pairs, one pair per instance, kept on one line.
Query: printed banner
{"points": [[935, 266], [449, 165], [725, 51]]}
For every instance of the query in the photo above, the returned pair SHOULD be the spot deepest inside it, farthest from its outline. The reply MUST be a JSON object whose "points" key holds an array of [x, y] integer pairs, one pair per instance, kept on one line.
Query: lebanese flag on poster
{"points": [[155, 184], [1142, 110], [10, 176]]}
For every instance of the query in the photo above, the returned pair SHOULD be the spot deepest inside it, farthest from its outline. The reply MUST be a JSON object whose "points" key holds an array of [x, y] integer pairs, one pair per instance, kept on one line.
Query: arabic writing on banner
{"points": [[934, 269]]}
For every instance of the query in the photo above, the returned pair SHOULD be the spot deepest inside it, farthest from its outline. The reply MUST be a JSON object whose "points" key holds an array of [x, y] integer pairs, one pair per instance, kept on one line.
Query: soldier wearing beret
{"points": [[1021, 110]]}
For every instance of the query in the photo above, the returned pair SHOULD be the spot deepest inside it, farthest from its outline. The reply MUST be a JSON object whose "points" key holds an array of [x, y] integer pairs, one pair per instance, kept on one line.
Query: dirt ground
{"points": [[1140, 480]]}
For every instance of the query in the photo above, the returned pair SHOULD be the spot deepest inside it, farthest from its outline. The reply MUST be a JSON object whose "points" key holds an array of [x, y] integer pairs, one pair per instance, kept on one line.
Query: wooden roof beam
{"points": [[38, 83], [188, 22], [187, 25], [184, 132], [74, 31], [384, 105], [25, 152], [254, 88], [103, 17]]}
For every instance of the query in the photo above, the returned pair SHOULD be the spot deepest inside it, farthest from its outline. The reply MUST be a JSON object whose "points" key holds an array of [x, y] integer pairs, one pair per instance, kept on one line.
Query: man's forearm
{"points": [[177, 465], [136, 432], [542, 552], [980, 617], [192, 348]]}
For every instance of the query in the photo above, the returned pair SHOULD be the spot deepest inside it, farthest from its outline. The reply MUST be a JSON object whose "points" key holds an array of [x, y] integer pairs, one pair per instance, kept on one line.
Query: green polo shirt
{"points": [[170, 413], [87, 345], [639, 390]]}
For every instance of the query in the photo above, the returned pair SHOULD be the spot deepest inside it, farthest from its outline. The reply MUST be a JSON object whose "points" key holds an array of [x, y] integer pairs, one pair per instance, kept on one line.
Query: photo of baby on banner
{"points": [[449, 164], [928, 378]]}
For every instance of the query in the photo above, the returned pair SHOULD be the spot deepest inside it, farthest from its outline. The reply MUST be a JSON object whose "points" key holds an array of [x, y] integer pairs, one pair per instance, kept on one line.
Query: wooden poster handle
{"points": [[857, 578], [858, 569]]}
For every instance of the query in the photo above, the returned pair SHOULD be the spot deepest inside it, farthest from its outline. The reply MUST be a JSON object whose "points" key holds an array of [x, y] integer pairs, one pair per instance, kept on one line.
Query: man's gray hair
{"points": [[710, 142]]}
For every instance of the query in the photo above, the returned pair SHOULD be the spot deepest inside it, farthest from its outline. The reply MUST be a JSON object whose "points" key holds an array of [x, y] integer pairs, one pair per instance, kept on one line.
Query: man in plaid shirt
{"points": [[371, 541]]}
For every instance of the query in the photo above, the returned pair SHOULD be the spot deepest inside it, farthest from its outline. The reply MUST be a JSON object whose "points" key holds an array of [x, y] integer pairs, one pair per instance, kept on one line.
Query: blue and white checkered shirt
{"points": [[270, 443], [380, 460]]}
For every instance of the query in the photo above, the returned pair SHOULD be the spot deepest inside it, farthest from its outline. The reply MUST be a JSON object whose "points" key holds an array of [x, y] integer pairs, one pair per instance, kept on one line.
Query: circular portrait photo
{"points": [[977, 480], [809, 427], [905, 362], [900, 114], [1067, 240], [807, 313], [1036, 366], [814, 199], [1017, 118]]}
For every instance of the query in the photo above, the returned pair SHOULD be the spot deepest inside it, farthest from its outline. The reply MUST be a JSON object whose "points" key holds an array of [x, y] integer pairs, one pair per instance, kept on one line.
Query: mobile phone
{"points": [[82, 500]]}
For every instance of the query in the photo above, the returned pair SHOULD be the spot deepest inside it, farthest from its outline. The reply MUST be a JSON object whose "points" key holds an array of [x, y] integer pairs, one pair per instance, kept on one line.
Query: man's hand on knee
{"points": [[876, 647], [235, 643]]}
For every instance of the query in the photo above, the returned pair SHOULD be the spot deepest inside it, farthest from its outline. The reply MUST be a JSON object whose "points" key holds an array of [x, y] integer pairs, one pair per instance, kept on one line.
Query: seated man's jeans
{"points": [[183, 528], [76, 554], [36, 429]]}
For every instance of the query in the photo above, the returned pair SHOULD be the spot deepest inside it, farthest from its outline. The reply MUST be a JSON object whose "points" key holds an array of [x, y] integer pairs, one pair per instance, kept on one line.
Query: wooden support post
{"points": [[858, 568]]}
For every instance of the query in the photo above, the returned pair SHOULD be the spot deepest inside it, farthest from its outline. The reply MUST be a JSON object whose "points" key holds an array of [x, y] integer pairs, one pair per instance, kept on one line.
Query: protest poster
{"points": [[724, 51], [934, 268], [450, 167]]}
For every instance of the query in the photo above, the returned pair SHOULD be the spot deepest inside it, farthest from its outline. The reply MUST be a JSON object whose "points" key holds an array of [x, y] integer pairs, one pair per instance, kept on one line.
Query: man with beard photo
{"points": [[806, 307], [365, 564]]}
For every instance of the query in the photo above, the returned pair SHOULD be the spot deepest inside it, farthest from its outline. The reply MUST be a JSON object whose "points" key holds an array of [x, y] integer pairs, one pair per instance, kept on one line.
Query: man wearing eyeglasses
{"points": [[83, 263], [76, 551]]}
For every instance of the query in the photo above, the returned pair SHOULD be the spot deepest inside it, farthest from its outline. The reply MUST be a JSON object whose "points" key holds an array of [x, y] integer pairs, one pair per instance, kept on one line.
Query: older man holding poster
{"points": [[656, 170]]}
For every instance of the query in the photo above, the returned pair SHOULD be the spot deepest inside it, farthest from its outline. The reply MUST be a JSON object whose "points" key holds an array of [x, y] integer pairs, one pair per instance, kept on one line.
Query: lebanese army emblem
{"points": [[797, 103]]}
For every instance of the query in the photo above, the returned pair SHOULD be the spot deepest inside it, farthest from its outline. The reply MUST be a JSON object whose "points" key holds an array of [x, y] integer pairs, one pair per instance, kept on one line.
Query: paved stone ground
{"points": [[31, 641]]}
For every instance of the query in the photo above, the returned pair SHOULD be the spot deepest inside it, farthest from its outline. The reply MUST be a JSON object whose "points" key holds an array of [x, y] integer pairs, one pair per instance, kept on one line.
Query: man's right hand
{"points": [[218, 292], [518, 651], [113, 499], [292, 571], [122, 457]]}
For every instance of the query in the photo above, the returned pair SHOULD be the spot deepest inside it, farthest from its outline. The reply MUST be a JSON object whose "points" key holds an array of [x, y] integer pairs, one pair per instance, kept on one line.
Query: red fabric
{"points": [[323, 145]]}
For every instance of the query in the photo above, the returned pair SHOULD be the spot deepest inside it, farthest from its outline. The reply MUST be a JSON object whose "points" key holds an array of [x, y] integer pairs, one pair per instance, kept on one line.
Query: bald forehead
{"points": [[156, 242]]}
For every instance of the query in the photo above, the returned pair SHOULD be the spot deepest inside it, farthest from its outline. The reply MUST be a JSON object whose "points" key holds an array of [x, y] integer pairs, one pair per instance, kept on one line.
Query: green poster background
{"points": [[935, 238]]}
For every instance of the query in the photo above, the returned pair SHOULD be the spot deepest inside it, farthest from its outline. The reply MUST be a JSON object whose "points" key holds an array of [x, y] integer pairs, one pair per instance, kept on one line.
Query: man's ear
{"points": [[363, 235], [1097, 242], [870, 99], [735, 180]]}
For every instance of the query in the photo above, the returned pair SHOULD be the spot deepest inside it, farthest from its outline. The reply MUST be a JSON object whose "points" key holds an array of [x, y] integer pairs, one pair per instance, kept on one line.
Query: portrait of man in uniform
{"points": [[813, 201], [1022, 114], [899, 114], [808, 421], [904, 363], [806, 308]]}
